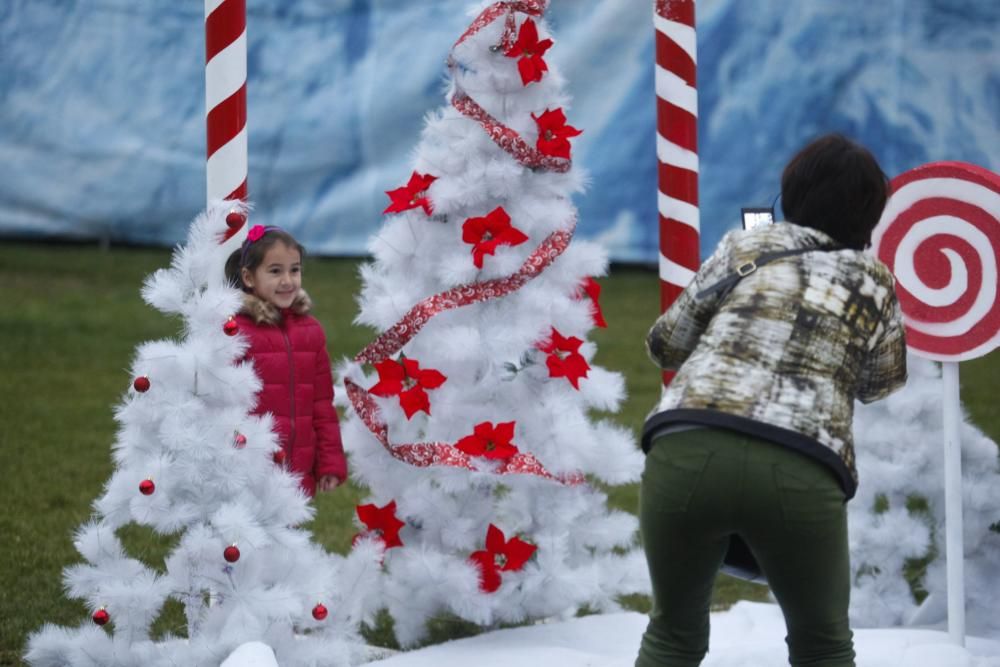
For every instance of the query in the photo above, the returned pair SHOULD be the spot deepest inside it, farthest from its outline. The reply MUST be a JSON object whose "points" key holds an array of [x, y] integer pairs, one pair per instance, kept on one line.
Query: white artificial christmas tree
{"points": [[191, 462], [898, 514], [476, 435]]}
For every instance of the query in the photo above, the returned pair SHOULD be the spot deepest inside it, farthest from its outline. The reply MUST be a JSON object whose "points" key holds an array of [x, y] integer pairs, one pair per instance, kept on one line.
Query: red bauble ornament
{"points": [[239, 440], [146, 487], [231, 554], [231, 328], [101, 616], [141, 383], [235, 220], [320, 612], [279, 456]]}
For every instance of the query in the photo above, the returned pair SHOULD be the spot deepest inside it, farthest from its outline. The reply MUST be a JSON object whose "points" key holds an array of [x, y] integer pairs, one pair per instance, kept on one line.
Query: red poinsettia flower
{"points": [[530, 51], [499, 556], [381, 522], [554, 134], [411, 195], [492, 442], [490, 231], [408, 381], [564, 358], [590, 288]]}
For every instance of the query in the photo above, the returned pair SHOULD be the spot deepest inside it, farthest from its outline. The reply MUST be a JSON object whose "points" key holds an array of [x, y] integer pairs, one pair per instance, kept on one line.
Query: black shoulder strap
{"points": [[726, 284]]}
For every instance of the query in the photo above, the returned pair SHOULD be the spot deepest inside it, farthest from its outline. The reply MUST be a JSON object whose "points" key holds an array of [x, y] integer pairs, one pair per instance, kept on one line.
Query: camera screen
{"points": [[756, 217]]}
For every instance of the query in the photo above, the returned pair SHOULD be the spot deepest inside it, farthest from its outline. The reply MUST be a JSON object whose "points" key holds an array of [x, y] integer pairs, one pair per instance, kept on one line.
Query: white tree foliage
{"points": [[898, 514], [587, 554], [212, 490]]}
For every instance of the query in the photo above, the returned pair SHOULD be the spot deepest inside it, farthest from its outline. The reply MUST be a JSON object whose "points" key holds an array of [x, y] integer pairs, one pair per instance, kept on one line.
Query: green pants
{"points": [[702, 485]]}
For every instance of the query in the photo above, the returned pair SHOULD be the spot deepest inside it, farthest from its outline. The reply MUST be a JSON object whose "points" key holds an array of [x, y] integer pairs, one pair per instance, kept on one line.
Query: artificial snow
{"points": [[750, 634], [251, 654]]}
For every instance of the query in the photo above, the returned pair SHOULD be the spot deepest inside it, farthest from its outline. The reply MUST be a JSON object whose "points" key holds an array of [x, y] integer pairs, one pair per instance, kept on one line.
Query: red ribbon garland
{"points": [[426, 454], [391, 341], [494, 11], [507, 139], [394, 338]]}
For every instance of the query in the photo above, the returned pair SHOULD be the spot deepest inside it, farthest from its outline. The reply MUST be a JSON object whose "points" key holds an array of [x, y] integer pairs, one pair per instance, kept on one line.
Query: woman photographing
{"points": [[782, 328]]}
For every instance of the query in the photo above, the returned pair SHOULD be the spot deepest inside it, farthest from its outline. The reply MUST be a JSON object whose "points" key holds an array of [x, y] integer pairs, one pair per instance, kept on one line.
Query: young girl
{"points": [[288, 350]]}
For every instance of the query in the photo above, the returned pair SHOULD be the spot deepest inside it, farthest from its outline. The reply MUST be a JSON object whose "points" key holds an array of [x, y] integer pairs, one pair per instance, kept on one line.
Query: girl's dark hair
{"points": [[251, 254], [836, 186]]}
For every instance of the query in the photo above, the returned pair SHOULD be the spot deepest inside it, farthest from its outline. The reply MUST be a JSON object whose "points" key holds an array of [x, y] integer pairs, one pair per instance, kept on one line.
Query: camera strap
{"points": [[726, 285]]}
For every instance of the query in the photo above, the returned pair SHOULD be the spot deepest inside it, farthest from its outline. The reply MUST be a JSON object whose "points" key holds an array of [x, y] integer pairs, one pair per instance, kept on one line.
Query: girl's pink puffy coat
{"points": [[288, 350]]}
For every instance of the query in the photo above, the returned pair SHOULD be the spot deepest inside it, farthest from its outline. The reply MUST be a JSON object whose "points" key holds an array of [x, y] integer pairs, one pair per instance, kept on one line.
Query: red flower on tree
{"points": [[564, 358], [499, 556], [530, 51], [381, 522], [492, 442], [411, 195], [490, 231], [591, 289], [408, 381], [554, 134]]}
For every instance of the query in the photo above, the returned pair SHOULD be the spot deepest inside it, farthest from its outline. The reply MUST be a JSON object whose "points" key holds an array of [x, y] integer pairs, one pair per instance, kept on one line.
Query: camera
{"points": [[754, 217]]}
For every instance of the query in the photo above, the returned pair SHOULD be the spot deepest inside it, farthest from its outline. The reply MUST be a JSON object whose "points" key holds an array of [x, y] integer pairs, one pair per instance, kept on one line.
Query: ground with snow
{"points": [[750, 634]]}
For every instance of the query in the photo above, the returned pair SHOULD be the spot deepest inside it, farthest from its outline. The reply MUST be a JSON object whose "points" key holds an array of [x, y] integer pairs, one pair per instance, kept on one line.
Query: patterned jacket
{"points": [[786, 352]]}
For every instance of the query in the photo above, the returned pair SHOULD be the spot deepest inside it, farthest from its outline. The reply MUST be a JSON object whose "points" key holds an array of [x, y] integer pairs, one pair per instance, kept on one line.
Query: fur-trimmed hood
{"points": [[264, 312]]}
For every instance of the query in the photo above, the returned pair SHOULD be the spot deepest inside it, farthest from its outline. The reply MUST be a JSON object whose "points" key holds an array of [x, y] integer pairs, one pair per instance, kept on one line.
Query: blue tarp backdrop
{"points": [[103, 106]]}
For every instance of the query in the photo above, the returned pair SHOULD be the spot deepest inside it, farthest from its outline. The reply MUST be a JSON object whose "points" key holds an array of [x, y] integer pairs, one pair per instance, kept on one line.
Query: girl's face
{"points": [[278, 278]]}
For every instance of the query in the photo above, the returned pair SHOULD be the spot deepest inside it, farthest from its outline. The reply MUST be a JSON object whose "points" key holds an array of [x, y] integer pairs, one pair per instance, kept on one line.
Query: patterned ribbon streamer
{"points": [[393, 339], [425, 454], [506, 138], [495, 11]]}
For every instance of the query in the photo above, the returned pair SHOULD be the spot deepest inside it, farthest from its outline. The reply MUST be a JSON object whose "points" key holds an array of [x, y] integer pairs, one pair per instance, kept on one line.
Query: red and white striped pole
{"points": [[226, 103], [676, 147]]}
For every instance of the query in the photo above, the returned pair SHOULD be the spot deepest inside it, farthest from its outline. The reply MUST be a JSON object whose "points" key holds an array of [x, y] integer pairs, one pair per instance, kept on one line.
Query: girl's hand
{"points": [[327, 483]]}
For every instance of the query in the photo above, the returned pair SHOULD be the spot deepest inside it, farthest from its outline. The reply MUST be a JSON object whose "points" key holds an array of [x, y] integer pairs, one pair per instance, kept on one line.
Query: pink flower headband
{"points": [[255, 234]]}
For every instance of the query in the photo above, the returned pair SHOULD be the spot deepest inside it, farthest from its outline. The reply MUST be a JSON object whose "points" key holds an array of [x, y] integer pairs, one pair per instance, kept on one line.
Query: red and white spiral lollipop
{"points": [[940, 236]]}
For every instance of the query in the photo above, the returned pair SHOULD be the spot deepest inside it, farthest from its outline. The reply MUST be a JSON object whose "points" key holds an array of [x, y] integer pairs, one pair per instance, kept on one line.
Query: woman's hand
{"points": [[327, 483]]}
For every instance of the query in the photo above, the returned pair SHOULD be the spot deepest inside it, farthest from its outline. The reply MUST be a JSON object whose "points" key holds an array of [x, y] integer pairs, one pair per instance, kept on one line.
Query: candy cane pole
{"points": [[676, 147], [226, 103]]}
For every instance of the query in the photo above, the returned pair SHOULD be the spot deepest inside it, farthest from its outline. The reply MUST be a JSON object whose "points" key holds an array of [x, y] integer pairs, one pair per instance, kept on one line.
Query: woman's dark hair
{"points": [[836, 186], [250, 255]]}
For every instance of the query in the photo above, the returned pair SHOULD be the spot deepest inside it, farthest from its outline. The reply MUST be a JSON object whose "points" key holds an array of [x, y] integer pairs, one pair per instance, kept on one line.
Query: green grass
{"points": [[71, 320]]}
